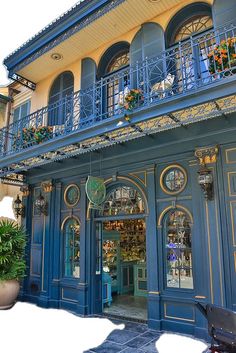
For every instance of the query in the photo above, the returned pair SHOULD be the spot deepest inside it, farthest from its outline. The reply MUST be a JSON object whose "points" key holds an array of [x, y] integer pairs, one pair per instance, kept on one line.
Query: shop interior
{"points": [[124, 268]]}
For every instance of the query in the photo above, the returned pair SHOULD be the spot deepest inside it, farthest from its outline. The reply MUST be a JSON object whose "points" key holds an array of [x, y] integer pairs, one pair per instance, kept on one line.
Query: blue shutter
{"points": [[223, 12], [16, 114], [88, 79], [148, 42], [60, 108]]}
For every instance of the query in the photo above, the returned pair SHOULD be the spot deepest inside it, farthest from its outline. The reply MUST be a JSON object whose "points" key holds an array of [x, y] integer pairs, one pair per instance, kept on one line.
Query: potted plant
{"points": [[12, 262], [223, 56]]}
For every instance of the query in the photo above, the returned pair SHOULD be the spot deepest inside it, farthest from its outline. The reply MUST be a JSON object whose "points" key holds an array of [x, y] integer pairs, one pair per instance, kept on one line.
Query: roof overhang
{"points": [[78, 32]]}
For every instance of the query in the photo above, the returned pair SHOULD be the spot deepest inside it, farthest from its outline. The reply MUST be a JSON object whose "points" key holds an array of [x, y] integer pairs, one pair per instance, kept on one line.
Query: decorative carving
{"points": [[47, 186], [25, 189], [13, 179], [207, 155]]}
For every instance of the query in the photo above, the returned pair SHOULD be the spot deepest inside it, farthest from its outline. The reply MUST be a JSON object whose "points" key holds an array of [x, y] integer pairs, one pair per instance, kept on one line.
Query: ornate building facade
{"points": [[126, 152]]}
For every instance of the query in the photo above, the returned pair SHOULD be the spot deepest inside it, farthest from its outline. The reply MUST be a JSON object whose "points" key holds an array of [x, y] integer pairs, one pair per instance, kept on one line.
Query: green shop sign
{"points": [[95, 191]]}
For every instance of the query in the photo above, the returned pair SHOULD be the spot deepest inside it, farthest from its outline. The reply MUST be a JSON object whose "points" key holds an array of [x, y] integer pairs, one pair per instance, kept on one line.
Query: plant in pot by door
{"points": [[12, 262]]}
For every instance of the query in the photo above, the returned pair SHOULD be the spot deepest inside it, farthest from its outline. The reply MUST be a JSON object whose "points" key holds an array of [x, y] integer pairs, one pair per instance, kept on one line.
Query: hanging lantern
{"points": [[205, 180], [18, 207], [41, 205]]}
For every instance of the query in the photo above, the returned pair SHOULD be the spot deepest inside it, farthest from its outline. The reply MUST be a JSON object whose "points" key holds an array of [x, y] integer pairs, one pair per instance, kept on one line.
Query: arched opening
{"points": [[114, 69], [190, 56], [124, 271], [60, 108], [190, 20], [71, 247], [177, 243]]}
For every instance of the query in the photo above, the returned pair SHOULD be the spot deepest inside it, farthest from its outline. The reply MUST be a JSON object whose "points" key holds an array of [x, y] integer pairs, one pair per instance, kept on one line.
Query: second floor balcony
{"points": [[186, 83]]}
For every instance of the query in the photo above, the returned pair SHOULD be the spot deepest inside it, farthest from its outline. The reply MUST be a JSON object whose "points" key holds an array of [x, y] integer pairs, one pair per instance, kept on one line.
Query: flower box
{"points": [[223, 56], [32, 135]]}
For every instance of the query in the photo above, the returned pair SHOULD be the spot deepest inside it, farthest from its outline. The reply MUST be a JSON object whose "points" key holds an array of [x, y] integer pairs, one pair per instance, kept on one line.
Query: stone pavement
{"points": [[134, 338]]}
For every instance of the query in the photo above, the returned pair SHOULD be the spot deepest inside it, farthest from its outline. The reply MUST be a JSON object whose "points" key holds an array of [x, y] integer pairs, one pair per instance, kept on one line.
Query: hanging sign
{"points": [[95, 191]]}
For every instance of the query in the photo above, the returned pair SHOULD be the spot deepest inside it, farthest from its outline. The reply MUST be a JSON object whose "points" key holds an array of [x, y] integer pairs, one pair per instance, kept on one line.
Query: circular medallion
{"points": [[72, 195], [173, 179], [95, 190]]}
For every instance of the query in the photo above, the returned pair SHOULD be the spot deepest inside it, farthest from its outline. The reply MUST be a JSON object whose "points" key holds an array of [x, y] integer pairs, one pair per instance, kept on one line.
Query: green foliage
{"points": [[12, 250]]}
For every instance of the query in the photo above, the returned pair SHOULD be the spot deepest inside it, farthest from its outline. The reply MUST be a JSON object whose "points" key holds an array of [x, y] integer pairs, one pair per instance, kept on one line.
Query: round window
{"points": [[72, 195], [173, 179]]}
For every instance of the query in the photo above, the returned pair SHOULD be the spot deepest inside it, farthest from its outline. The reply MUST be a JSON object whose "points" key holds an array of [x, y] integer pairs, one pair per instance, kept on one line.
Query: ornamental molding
{"points": [[47, 186], [127, 133], [206, 155], [25, 189], [84, 23]]}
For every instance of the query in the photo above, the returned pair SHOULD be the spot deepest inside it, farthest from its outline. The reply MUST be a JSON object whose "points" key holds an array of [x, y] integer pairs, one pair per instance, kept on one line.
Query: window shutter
{"points": [[62, 86], [148, 42], [223, 12], [88, 78], [16, 114], [88, 74]]}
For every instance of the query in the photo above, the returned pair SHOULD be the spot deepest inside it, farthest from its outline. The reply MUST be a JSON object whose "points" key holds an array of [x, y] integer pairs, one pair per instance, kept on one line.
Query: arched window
{"points": [[60, 99], [123, 200], [193, 25], [71, 239], [113, 67], [190, 20], [178, 249], [189, 59]]}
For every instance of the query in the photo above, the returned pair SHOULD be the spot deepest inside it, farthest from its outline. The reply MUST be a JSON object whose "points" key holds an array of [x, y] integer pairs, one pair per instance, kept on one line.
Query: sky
{"points": [[21, 19]]}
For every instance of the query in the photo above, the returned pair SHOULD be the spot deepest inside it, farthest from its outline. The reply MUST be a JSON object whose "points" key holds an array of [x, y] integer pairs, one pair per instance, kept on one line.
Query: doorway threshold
{"points": [[124, 318]]}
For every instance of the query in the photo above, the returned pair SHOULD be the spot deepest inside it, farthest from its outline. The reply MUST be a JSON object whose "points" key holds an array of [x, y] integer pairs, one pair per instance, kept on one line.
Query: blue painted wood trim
{"points": [[153, 274], [218, 90], [55, 248]]}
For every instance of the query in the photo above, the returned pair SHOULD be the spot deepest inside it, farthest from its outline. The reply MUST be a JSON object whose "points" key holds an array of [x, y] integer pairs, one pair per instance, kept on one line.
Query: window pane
{"points": [[72, 248], [178, 250]]}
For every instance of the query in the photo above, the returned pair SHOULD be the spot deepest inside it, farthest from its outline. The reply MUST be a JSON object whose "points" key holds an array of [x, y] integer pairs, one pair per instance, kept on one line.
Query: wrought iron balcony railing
{"points": [[197, 62]]}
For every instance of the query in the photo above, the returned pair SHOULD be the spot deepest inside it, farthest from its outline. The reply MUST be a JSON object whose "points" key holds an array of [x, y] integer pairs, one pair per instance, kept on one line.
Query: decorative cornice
{"points": [[79, 26]]}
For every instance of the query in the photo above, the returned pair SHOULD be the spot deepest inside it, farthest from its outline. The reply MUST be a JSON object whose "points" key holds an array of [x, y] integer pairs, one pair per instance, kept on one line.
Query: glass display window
{"points": [[178, 250], [71, 234], [123, 200]]}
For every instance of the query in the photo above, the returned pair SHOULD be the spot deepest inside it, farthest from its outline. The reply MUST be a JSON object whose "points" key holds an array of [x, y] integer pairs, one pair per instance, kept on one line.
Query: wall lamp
{"points": [[18, 207], [206, 155], [205, 180], [41, 205]]}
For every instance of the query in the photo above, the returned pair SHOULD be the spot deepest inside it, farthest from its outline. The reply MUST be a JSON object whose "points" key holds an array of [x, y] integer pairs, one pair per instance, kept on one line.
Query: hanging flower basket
{"points": [[133, 98], [32, 135], [223, 56]]}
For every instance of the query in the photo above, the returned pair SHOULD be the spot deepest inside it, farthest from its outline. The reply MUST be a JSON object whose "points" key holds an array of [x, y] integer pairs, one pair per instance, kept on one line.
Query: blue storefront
{"points": [[164, 235]]}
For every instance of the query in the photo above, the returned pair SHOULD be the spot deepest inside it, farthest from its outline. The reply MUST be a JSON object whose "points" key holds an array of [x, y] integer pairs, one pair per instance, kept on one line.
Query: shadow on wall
{"points": [[6, 210]]}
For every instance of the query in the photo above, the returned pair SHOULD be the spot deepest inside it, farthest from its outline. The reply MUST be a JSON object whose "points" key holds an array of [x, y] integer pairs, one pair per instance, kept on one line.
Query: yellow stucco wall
{"points": [[40, 95], [5, 190]]}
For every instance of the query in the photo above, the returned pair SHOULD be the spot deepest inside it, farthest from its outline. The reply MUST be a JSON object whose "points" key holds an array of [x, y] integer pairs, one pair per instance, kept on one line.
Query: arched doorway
{"points": [[123, 254]]}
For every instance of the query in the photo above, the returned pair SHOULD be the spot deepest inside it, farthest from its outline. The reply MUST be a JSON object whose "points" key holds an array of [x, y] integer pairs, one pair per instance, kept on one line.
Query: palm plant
{"points": [[12, 249]]}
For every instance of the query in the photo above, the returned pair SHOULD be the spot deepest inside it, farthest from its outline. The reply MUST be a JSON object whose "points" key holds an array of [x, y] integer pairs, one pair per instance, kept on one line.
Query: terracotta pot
{"points": [[9, 291]]}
